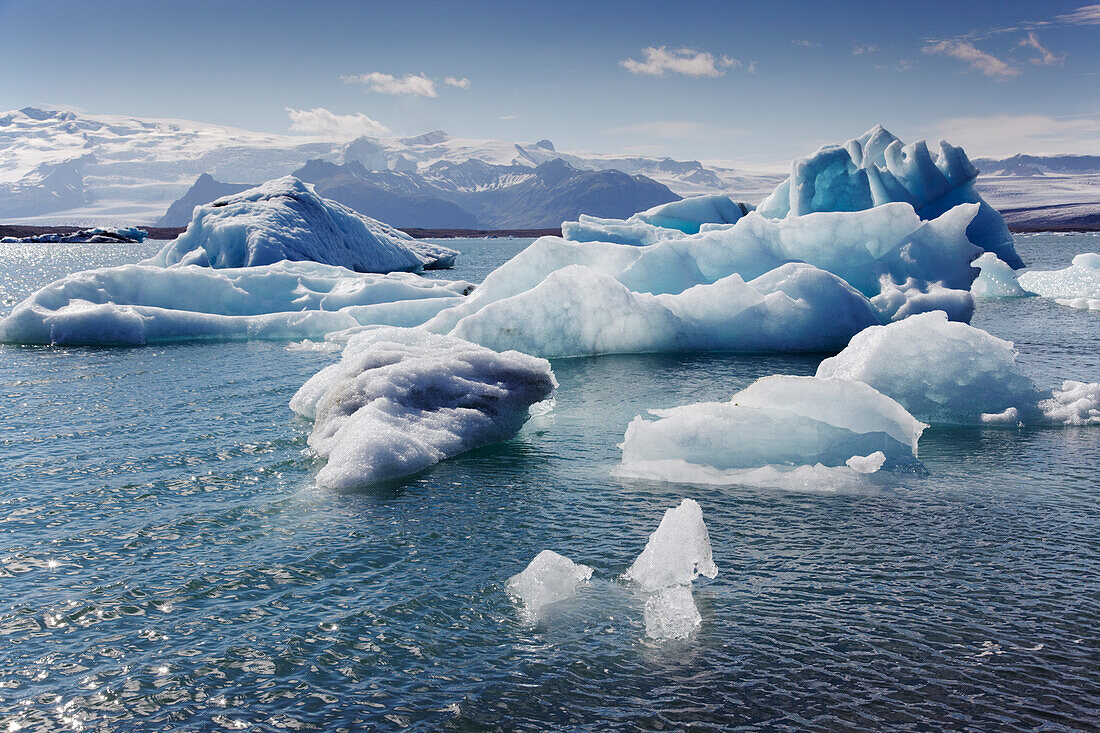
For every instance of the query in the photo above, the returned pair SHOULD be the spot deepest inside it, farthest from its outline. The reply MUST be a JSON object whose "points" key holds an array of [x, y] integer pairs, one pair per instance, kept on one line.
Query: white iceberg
{"points": [[677, 552], [665, 221], [876, 169], [548, 578], [782, 424], [285, 219], [133, 305], [997, 279], [401, 399], [1077, 286], [952, 373], [630, 231], [576, 311]]}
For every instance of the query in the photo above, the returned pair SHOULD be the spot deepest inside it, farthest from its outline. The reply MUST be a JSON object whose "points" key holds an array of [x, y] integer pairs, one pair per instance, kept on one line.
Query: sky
{"points": [[748, 82]]}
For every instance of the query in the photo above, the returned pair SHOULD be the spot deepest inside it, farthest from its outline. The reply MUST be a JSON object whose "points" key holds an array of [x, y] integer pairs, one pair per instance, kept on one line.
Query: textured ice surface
{"points": [[781, 422], [952, 373], [677, 552], [616, 231], [139, 304], [687, 215], [1081, 280], [997, 280], [1076, 403], [402, 399], [549, 578], [578, 311], [876, 169], [670, 613], [284, 219]]}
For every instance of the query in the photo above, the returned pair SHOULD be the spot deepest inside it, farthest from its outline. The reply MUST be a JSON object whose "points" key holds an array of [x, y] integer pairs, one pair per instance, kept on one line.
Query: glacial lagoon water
{"points": [[168, 565]]}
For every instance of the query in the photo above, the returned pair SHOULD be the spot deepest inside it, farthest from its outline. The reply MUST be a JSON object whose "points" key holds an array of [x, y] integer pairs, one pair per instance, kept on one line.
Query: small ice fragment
{"points": [[549, 578], [866, 464], [677, 552], [670, 613]]}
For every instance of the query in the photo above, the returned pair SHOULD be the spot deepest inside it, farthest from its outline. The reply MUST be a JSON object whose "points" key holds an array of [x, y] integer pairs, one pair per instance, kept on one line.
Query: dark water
{"points": [[167, 564]]}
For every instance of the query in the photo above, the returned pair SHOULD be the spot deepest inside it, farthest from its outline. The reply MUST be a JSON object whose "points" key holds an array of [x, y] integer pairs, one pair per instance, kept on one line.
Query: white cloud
{"points": [[979, 60], [412, 84], [860, 50], [687, 61], [321, 122], [1003, 135], [678, 130], [1084, 15], [752, 67], [462, 83], [1045, 57], [509, 117], [804, 43]]}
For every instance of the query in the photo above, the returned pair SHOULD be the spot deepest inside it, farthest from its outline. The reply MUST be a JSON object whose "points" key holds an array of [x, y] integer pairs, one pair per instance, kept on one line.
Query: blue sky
{"points": [[749, 82]]}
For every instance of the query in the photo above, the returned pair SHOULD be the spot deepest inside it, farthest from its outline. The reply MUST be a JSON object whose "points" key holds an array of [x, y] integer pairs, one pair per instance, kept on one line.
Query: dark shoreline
{"points": [[31, 230]]}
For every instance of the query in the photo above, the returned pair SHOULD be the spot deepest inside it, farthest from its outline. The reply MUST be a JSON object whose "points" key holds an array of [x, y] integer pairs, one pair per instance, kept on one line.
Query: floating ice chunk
{"points": [[285, 219], [677, 552], [139, 304], [1084, 304], [1081, 280], [670, 613], [876, 169], [687, 215], [577, 311], [997, 280], [1076, 403], [953, 373], [618, 231], [817, 478], [779, 421], [549, 578], [401, 400], [896, 302]]}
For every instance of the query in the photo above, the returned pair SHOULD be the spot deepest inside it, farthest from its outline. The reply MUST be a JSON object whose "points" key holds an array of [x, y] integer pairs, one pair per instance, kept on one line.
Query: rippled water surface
{"points": [[167, 564]]}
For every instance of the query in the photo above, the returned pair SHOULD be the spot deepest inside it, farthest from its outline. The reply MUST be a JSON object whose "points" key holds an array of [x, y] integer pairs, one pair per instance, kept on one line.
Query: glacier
{"points": [[875, 169], [949, 373], [547, 579], [401, 400], [132, 305], [837, 428], [677, 552], [285, 219]]}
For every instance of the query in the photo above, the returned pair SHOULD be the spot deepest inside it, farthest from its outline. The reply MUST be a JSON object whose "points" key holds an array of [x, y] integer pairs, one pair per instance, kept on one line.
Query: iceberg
{"points": [[1077, 286], [576, 311], [97, 235], [677, 552], [781, 424], [549, 578], [285, 219], [949, 373], [401, 400], [616, 231], [876, 169], [687, 215], [997, 280], [132, 305]]}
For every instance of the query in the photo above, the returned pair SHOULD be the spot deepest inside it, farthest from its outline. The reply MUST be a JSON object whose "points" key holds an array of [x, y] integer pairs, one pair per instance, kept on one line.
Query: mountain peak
{"points": [[545, 145], [435, 137]]}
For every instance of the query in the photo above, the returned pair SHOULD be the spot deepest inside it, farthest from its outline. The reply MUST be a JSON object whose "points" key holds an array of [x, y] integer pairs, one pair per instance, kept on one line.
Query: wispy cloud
{"points": [[804, 43], [462, 83], [509, 117], [323, 123], [1045, 57], [409, 84], [686, 61], [1084, 15], [1002, 135], [678, 130], [986, 63], [861, 50]]}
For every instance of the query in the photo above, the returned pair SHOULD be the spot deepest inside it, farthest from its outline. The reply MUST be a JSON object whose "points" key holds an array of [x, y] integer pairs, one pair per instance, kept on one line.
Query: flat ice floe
{"points": [[834, 429], [401, 399], [133, 305], [1077, 286], [285, 219], [952, 373], [876, 169]]}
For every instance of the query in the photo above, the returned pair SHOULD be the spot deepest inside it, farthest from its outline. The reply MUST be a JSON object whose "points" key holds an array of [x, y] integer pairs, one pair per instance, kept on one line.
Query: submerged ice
{"points": [[285, 219], [401, 399]]}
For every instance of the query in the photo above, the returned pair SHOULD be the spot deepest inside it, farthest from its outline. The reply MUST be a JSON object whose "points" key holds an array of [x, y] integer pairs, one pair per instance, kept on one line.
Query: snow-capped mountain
{"points": [[64, 167]]}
